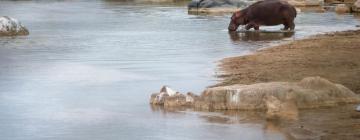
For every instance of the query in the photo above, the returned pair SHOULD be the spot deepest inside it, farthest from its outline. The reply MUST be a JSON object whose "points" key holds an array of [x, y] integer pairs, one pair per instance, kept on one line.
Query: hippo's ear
{"points": [[238, 14]]}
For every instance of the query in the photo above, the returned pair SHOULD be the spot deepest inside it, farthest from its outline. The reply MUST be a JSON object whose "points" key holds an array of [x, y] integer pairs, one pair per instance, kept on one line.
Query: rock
{"points": [[310, 92], [191, 98], [280, 99], [342, 8], [215, 3], [11, 27], [356, 6], [168, 91], [277, 109], [304, 3], [215, 6], [313, 2], [180, 100], [175, 101], [358, 108], [159, 98], [316, 9], [170, 98]]}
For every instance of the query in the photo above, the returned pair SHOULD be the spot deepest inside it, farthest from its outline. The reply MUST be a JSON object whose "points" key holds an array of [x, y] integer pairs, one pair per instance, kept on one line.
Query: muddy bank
{"points": [[334, 56]]}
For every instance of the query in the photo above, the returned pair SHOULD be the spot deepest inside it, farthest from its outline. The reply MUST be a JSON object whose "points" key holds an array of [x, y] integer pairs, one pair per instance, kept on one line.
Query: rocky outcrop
{"points": [[215, 6], [281, 109], [170, 98], [310, 92], [230, 6], [342, 8], [304, 3], [159, 98], [356, 6], [278, 98], [11, 27]]}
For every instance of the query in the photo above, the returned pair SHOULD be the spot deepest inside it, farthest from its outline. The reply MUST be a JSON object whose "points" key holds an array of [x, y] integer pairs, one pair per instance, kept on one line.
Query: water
{"points": [[87, 69]]}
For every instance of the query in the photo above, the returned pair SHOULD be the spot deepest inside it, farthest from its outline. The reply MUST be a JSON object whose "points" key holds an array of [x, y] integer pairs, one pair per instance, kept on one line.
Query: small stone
{"points": [[167, 90], [358, 108], [159, 98]]}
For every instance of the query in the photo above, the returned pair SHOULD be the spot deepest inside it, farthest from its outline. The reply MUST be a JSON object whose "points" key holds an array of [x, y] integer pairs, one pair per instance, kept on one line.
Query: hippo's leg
{"points": [[292, 25], [289, 24], [256, 27], [286, 26], [252, 25], [248, 26]]}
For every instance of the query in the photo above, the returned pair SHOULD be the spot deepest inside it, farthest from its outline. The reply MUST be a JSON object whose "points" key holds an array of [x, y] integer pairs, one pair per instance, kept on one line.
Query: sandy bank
{"points": [[334, 56]]}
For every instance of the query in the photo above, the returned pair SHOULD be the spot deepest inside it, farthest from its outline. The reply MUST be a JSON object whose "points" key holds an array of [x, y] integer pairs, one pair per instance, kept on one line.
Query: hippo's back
{"points": [[270, 12]]}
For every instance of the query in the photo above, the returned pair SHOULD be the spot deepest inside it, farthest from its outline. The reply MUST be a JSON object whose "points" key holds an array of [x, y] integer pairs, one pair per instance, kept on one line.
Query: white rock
{"points": [[168, 91], [189, 99], [159, 98], [10, 27], [358, 108]]}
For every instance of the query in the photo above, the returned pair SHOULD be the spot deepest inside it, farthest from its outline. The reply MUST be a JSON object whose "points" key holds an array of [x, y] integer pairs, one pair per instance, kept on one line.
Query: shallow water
{"points": [[87, 69]]}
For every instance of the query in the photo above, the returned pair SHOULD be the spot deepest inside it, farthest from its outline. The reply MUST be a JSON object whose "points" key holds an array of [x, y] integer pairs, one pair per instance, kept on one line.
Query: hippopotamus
{"points": [[267, 12]]}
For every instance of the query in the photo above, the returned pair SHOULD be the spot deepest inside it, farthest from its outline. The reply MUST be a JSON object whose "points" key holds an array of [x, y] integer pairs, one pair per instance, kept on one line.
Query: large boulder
{"points": [[304, 3], [281, 109], [310, 92], [356, 6], [11, 27], [215, 6], [278, 98], [342, 8]]}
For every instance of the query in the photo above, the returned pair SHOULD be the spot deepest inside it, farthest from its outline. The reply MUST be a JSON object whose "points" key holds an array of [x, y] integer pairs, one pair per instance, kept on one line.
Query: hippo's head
{"points": [[238, 18]]}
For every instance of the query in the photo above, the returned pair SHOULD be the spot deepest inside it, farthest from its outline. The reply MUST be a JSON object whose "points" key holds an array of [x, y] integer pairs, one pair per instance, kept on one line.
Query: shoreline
{"points": [[334, 56]]}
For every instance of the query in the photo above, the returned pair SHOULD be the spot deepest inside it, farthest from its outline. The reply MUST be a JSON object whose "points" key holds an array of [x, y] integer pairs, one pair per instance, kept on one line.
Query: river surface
{"points": [[87, 69]]}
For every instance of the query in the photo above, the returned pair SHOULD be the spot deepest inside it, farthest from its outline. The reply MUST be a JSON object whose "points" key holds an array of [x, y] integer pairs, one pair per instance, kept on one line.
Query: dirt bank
{"points": [[334, 56]]}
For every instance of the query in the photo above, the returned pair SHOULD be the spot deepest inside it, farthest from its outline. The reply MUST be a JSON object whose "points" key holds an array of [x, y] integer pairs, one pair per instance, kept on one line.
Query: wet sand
{"points": [[334, 56]]}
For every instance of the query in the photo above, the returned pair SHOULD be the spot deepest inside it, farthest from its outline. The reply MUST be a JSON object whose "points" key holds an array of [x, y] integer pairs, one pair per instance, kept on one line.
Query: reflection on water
{"points": [[259, 36], [311, 124], [87, 69]]}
